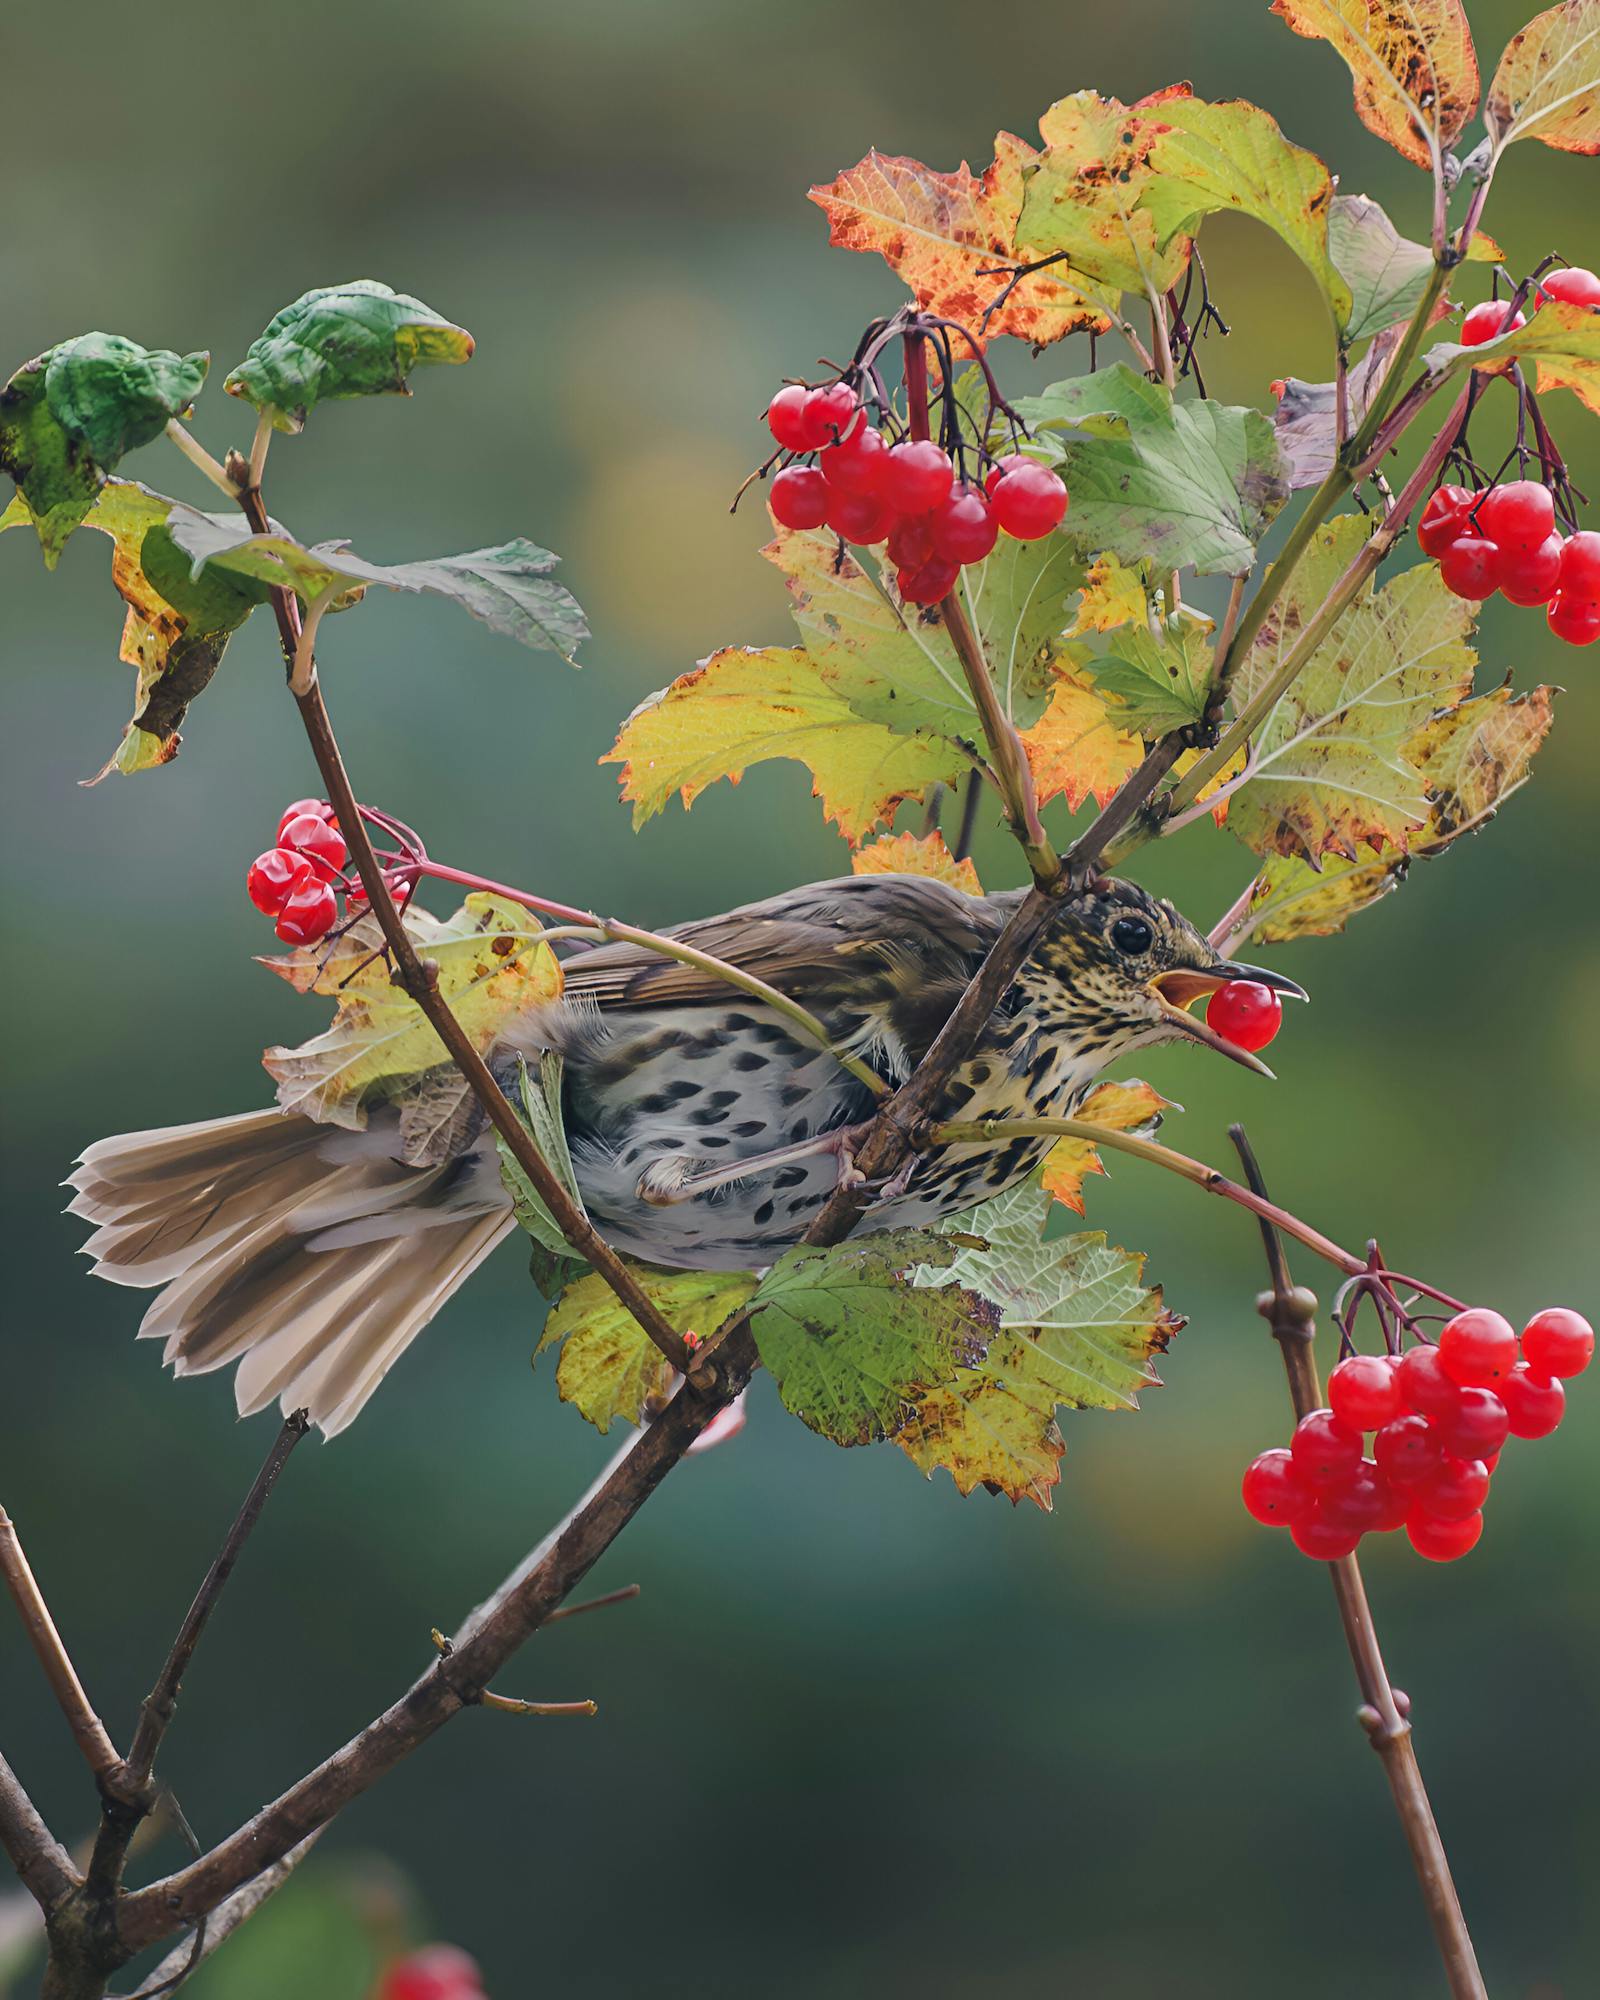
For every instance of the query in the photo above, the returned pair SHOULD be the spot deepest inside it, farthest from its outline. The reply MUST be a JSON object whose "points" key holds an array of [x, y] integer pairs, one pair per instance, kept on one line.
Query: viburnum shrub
{"points": [[1006, 604]]}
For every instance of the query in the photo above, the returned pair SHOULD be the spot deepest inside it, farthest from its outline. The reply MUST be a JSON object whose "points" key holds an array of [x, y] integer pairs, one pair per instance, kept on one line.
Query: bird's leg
{"points": [[680, 1177]]}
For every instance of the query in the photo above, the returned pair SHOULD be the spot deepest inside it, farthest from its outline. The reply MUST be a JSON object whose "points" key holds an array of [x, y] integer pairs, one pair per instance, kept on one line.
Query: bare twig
{"points": [[41, 1862], [224, 1920], [99, 1752]]}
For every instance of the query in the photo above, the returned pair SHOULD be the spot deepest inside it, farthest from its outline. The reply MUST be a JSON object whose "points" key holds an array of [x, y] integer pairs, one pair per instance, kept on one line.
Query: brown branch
{"points": [[41, 1862], [1291, 1312], [99, 1752], [223, 1921]]}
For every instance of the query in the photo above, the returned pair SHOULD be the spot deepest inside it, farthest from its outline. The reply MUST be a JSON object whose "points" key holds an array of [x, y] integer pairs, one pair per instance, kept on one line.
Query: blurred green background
{"points": [[858, 1736]]}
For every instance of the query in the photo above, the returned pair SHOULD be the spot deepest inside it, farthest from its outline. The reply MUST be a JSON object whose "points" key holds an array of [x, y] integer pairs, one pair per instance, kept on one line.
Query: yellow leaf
{"points": [[609, 1367], [994, 1426], [491, 965], [1547, 84], [938, 231], [1416, 75], [916, 854], [1113, 594], [1076, 751], [1120, 1107]]}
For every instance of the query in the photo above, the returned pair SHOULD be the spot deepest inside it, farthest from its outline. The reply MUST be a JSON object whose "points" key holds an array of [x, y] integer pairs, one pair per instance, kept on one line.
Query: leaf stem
{"points": [[199, 457]]}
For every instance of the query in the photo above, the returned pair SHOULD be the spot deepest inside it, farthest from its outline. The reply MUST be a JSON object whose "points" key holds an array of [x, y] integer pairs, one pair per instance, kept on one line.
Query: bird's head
{"points": [[1133, 967]]}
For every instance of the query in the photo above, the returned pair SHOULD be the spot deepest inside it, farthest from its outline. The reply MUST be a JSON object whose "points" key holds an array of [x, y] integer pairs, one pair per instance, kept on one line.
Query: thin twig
{"points": [[224, 1920], [41, 1862], [99, 1752]]}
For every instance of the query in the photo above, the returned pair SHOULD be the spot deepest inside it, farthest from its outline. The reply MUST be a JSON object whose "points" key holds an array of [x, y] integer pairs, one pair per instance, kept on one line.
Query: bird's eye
{"points": [[1132, 935]]}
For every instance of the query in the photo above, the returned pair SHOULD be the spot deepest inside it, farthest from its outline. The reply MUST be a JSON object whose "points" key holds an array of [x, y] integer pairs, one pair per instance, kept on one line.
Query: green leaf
{"points": [[1331, 767], [359, 339], [538, 1105], [1177, 484], [1564, 340], [1547, 84], [1159, 681], [850, 1342], [1412, 61], [508, 588], [1077, 1328], [116, 395], [56, 476], [1386, 272], [609, 1368]]}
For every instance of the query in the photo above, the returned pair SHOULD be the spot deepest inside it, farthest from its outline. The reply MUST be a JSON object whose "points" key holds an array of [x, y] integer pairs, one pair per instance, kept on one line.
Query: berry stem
{"points": [[1291, 1313]]}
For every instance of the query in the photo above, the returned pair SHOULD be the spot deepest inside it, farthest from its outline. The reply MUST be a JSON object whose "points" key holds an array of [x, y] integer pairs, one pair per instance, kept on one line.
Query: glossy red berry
{"points": [[1580, 564], [1519, 515], [1444, 518], [929, 583], [1558, 1341], [310, 913], [911, 541], [1424, 1385], [1575, 619], [786, 417], [1316, 1535], [859, 518], [858, 464], [918, 476], [436, 1972], [1360, 1500], [799, 497], [274, 877], [1574, 286], [1477, 1426], [1325, 1451], [1363, 1392], [1407, 1451], [1394, 1506], [1274, 1492], [1014, 461], [1029, 501], [1530, 576], [1478, 1348], [964, 527], [318, 808], [829, 413], [1443, 1541], [1470, 568], [318, 839], [1535, 1404], [1245, 1013], [1458, 1488], [400, 889], [1488, 321]]}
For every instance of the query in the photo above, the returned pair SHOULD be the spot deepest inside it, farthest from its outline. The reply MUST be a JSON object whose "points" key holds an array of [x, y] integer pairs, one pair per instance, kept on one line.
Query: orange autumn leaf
{"points": [[916, 854], [1075, 750], [1120, 1107], [1412, 62]]}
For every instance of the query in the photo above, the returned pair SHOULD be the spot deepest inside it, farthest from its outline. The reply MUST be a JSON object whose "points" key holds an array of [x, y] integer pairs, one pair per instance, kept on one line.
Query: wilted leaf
{"points": [[509, 588], [1306, 419], [850, 1340], [1547, 85], [537, 1102], [993, 1426], [1332, 767], [609, 1367], [1156, 681], [1121, 1107], [1387, 272], [359, 339], [116, 395], [744, 705], [938, 231], [56, 476], [1174, 484], [916, 854], [1076, 750], [1416, 76], [491, 964]]}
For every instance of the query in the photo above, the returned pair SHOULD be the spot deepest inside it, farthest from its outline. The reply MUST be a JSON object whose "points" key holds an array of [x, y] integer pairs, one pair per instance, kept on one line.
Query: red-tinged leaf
{"points": [[1547, 84], [1415, 71], [1076, 750], [1120, 1107], [916, 854]]}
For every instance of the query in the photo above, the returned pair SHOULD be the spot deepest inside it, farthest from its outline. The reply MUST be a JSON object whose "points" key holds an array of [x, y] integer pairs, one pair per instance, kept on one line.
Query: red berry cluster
{"points": [[295, 881], [1439, 1415], [1506, 540], [436, 1972], [906, 494], [1245, 1013]]}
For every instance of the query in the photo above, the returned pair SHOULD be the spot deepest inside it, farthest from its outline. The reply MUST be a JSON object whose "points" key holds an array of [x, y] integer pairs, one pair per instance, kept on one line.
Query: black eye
{"points": [[1132, 935]]}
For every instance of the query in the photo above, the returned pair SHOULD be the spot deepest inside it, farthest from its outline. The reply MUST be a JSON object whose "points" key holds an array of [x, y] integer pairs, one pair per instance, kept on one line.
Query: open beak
{"points": [[1176, 992]]}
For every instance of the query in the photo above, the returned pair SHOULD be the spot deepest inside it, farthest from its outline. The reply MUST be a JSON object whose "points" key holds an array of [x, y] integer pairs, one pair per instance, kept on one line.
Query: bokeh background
{"points": [[857, 1736]]}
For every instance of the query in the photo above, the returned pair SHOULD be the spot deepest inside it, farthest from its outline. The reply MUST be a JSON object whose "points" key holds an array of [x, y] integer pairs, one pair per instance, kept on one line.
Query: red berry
{"points": [[829, 413], [1028, 502], [1534, 1403], [1444, 518], [799, 497], [1407, 1451], [1529, 576], [318, 839], [1394, 1506], [964, 528], [786, 417], [1488, 321], [1325, 1451], [1458, 1488], [858, 464], [1558, 1341], [1443, 1541], [1575, 619], [1477, 1349], [1470, 568], [1574, 286], [1580, 563], [1245, 1013], [1424, 1385], [917, 477], [1323, 1539], [1274, 1493], [1360, 1500], [1519, 515], [400, 890], [310, 913], [1476, 1426], [274, 877], [1014, 461], [911, 541], [318, 808], [859, 518], [436, 1972], [1363, 1392], [928, 583]]}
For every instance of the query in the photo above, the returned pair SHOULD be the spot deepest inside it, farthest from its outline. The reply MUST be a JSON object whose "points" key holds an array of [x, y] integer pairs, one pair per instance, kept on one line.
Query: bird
{"points": [[705, 1128]]}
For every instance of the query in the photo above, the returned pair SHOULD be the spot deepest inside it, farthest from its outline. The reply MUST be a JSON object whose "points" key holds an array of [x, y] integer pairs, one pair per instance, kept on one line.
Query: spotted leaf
{"points": [[1412, 62], [1547, 84]]}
